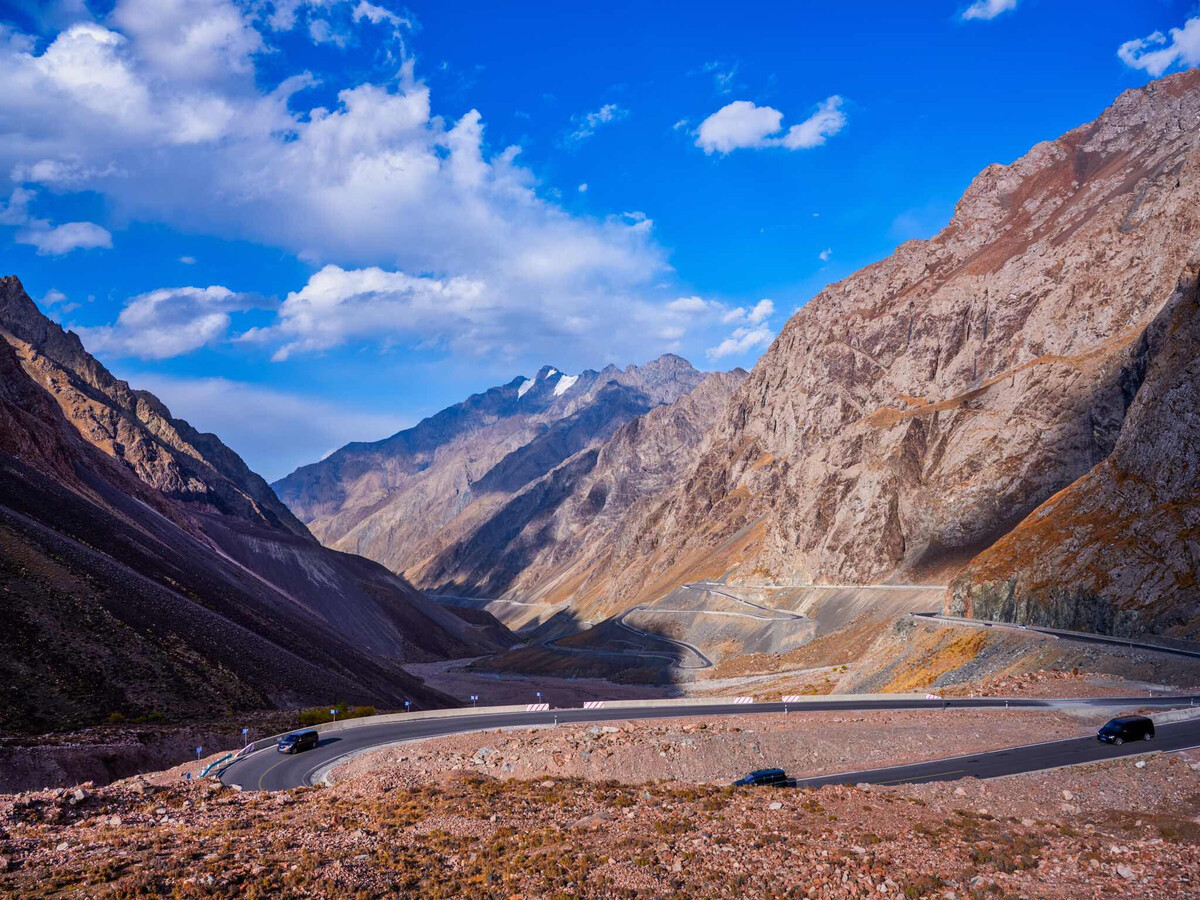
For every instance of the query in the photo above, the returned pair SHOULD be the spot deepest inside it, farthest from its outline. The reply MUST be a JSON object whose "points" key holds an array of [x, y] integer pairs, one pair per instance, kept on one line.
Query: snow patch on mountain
{"points": [[564, 384], [525, 385]]}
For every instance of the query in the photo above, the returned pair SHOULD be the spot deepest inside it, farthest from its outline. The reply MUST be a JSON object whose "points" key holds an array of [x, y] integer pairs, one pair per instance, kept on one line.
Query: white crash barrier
{"points": [[537, 707]]}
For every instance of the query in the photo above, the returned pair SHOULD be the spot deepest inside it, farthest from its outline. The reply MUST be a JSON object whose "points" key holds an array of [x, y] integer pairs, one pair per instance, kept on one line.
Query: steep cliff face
{"points": [[912, 414], [133, 426], [549, 543], [145, 570], [395, 500], [1118, 551]]}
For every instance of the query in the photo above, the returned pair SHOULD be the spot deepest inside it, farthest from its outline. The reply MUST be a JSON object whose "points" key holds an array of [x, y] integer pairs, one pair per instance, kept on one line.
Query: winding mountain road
{"points": [[1084, 637], [267, 769]]}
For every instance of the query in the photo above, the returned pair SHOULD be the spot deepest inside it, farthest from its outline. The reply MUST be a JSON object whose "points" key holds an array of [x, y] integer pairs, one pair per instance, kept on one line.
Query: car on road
{"points": [[772, 777], [1126, 728], [297, 742]]}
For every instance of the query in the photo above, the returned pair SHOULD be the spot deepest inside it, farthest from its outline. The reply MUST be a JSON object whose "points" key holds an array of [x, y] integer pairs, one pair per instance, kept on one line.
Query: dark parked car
{"points": [[773, 777], [297, 742], [1126, 728]]}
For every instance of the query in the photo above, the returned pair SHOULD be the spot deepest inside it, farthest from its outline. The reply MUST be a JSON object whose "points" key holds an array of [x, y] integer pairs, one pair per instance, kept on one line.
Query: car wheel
{"points": [[1118, 740], [1147, 736]]}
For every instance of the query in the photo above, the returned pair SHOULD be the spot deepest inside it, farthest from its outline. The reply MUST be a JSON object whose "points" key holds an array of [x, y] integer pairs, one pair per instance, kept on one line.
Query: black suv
{"points": [[1126, 728], [297, 742], [773, 777]]}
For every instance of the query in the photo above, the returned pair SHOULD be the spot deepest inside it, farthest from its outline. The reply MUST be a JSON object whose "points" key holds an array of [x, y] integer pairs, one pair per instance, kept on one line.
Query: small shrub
{"points": [[320, 715]]}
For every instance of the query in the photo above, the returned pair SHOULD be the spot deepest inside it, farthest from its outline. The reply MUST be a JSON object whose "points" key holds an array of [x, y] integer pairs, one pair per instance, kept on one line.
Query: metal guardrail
{"points": [[212, 765]]}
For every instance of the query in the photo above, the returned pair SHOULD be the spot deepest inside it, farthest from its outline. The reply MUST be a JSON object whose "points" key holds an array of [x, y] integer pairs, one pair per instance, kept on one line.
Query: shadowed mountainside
{"points": [[396, 500], [146, 570]]}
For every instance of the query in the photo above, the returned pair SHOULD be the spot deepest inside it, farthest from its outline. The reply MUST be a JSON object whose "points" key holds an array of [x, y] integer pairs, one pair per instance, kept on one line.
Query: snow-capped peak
{"points": [[552, 373], [564, 384], [525, 385]]}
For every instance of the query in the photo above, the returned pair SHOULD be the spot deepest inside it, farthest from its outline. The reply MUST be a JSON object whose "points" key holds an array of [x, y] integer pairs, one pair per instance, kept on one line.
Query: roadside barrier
{"points": [[216, 762], [537, 707], [743, 699], [792, 698], [593, 704]]}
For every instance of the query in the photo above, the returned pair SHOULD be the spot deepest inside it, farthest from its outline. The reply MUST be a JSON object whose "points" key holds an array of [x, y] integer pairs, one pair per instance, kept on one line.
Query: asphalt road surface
{"points": [[1083, 637], [1031, 758], [270, 770]]}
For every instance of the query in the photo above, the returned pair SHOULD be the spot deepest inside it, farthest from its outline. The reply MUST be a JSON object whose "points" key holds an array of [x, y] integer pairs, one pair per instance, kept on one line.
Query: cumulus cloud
{"points": [[756, 315], [56, 240], [1155, 54], [274, 431], [825, 254], [742, 125], [987, 9], [753, 334], [691, 304], [50, 239], [167, 322], [371, 179], [742, 341], [586, 125]]}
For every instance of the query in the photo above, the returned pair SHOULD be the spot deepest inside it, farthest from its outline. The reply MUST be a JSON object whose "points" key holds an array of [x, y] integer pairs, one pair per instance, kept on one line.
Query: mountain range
{"points": [[1007, 408]]}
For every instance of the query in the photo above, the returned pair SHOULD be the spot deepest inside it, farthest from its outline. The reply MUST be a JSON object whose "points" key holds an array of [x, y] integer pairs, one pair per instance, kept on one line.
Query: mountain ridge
{"points": [[133, 586]]}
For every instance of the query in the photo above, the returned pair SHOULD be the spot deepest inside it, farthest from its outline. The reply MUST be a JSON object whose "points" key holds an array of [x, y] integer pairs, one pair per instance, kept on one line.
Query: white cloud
{"points": [[377, 15], [825, 254], [189, 40], [756, 315], [737, 124], [274, 431], [827, 121], [742, 124], [374, 179], [583, 188], [988, 9], [49, 239], [754, 334], [690, 305], [188, 260], [322, 32], [166, 322], [742, 341], [56, 240], [723, 76], [586, 125], [1155, 55]]}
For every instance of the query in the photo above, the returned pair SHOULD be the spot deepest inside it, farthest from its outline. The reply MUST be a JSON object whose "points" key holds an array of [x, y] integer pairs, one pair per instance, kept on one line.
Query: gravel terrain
{"points": [[1126, 828], [717, 751]]}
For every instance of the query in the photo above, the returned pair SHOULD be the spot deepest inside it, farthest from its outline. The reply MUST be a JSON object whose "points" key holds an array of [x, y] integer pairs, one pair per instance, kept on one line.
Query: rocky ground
{"points": [[1126, 828], [718, 750]]}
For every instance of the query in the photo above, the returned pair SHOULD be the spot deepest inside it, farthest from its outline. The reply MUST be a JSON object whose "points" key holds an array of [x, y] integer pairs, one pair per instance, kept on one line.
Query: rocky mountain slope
{"points": [[395, 499], [540, 544], [145, 570], [913, 414], [1117, 551]]}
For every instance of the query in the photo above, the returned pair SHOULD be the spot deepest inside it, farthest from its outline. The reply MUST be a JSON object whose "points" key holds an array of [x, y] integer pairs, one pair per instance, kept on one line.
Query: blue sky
{"points": [[303, 223]]}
